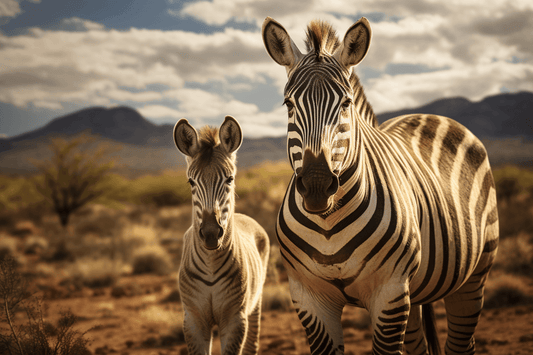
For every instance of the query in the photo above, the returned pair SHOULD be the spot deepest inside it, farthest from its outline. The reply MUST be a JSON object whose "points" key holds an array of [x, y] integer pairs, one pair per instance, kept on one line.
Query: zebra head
{"points": [[211, 170], [320, 96]]}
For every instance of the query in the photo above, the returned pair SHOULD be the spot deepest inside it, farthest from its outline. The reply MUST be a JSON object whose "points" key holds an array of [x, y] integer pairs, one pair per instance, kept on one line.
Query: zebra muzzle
{"points": [[211, 231], [316, 184]]}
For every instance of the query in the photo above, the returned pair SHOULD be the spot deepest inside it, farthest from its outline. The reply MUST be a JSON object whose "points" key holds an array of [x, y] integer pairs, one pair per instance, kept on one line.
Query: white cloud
{"points": [[467, 46], [9, 8]]}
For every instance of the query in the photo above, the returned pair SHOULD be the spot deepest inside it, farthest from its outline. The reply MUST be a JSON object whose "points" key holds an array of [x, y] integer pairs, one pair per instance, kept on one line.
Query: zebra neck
{"points": [[363, 110]]}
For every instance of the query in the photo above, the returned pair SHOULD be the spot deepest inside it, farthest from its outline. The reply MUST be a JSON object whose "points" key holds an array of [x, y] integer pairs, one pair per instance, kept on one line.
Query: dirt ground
{"points": [[140, 316]]}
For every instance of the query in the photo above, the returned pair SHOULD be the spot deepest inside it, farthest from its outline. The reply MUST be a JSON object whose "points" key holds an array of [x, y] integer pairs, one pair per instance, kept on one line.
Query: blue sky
{"points": [[205, 59]]}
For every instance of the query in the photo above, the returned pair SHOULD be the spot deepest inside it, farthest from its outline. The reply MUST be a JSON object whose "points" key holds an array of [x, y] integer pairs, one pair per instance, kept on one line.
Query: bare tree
{"points": [[74, 175]]}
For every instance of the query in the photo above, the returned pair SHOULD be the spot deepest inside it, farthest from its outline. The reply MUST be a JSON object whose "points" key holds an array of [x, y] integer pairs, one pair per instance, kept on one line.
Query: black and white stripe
{"points": [[225, 255], [414, 217]]}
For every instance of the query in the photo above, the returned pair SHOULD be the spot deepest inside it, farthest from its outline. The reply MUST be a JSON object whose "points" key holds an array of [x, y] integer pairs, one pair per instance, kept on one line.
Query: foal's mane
{"points": [[321, 38]]}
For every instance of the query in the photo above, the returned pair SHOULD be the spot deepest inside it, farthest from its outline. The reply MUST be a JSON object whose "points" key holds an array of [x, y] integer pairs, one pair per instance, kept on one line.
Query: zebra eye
{"points": [[346, 104], [289, 104], [191, 182], [229, 180]]}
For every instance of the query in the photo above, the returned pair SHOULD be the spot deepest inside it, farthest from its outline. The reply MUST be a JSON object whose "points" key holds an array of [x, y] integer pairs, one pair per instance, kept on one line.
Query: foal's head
{"points": [[211, 169]]}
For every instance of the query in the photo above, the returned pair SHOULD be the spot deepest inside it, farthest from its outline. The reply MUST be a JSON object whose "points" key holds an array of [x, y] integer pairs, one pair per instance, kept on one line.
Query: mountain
{"points": [[495, 117], [121, 124], [504, 123]]}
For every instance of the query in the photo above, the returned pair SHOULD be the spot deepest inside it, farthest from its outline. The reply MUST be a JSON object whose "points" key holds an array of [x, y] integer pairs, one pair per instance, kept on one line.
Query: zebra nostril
{"points": [[300, 186], [333, 186]]}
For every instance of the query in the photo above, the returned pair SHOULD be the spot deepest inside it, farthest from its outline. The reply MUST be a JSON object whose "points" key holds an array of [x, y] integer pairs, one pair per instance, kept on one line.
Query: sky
{"points": [[202, 60]]}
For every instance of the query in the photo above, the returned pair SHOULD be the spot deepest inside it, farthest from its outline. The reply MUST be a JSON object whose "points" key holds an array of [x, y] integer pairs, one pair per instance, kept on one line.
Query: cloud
{"points": [[9, 8], [79, 25], [453, 48]]}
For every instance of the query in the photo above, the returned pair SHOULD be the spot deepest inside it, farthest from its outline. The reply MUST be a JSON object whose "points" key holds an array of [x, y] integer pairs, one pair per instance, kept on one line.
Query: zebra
{"points": [[388, 217], [225, 254]]}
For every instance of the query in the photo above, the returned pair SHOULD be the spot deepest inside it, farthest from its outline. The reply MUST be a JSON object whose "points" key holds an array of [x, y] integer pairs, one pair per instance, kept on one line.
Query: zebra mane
{"points": [[321, 38], [208, 140]]}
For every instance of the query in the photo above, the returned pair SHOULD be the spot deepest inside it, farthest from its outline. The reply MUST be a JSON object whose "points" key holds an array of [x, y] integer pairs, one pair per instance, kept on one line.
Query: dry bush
{"points": [[507, 291], [36, 337], [515, 255], [35, 245], [75, 175], [151, 259], [277, 298], [93, 273], [8, 247]]}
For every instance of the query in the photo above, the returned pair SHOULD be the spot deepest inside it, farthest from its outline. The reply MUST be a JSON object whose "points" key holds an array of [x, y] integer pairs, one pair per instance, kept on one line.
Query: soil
{"points": [[141, 313]]}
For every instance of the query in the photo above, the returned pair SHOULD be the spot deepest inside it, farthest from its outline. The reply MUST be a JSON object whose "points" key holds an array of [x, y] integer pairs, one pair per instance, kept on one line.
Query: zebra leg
{"points": [[463, 309], [198, 335], [321, 319], [232, 333], [389, 311], [415, 342], [251, 345]]}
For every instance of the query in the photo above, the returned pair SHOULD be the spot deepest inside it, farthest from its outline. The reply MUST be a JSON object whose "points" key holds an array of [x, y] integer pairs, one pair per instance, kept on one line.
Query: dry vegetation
{"points": [[114, 266]]}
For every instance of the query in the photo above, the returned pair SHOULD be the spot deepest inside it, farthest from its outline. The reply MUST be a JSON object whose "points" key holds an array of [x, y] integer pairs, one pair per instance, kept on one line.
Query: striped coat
{"points": [[225, 254], [390, 218]]}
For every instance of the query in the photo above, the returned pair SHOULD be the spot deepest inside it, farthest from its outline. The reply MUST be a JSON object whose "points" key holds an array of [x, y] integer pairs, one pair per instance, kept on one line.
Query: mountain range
{"points": [[504, 122]]}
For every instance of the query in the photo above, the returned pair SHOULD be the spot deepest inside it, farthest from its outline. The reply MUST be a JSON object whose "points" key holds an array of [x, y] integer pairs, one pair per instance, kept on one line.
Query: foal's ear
{"points": [[230, 134], [355, 44], [186, 138], [279, 44]]}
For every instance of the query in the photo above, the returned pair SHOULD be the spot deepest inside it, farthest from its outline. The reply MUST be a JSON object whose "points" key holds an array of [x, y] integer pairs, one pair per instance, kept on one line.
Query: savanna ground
{"points": [[115, 265]]}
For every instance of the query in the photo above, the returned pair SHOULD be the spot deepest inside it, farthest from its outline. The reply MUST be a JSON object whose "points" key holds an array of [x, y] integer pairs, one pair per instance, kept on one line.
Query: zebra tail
{"points": [[428, 318]]}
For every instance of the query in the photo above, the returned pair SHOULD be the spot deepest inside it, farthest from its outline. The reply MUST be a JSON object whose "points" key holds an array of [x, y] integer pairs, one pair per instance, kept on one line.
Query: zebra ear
{"points": [[230, 134], [279, 44], [355, 44], [186, 138]]}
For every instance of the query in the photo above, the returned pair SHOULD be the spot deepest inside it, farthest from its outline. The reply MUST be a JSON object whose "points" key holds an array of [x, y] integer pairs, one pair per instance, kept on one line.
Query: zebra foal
{"points": [[388, 217], [225, 254]]}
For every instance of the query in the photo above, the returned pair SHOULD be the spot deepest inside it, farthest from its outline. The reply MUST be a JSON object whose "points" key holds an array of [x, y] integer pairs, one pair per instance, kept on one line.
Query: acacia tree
{"points": [[74, 175]]}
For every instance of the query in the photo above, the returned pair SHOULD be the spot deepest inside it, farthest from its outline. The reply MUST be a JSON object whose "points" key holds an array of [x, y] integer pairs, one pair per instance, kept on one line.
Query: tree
{"points": [[74, 175]]}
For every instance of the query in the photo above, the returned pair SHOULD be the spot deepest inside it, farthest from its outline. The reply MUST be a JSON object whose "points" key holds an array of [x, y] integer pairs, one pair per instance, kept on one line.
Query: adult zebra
{"points": [[389, 218]]}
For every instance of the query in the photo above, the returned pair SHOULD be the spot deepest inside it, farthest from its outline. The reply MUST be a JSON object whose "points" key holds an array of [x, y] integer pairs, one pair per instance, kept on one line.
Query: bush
{"points": [[276, 298], [93, 273], [8, 247], [151, 260], [36, 337], [507, 291], [515, 255], [35, 245]]}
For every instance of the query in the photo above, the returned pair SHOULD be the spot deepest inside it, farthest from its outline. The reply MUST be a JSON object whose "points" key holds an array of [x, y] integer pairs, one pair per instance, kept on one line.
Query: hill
{"points": [[495, 117], [502, 121]]}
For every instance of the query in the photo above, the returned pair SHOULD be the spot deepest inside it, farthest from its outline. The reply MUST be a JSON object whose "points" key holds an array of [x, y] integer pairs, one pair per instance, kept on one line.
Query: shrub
{"points": [[8, 247], [515, 255], [75, 175], [152, 259], [36, 336], [94, 273], [507, 291], [35, 245], [276, 298]]}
